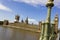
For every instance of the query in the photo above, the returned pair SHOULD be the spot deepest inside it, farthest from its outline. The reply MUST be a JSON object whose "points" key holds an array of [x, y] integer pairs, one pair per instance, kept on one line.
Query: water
{"points": [[9, 34], [16, 34]]}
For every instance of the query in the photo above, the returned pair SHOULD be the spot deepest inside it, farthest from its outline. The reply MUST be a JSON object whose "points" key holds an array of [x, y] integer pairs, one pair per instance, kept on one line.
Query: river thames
{"points": [[9, 34]]}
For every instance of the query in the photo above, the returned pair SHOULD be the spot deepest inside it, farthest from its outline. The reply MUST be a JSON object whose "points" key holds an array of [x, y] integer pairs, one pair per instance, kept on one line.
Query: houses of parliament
{"points": [[45, 30]]}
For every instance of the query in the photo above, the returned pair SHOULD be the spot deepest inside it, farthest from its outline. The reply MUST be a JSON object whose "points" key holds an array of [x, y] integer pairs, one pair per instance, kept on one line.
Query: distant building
{"points": [[1, 22]]}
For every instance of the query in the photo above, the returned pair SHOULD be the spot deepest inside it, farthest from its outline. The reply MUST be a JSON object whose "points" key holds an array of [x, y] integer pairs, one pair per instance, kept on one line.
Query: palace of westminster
{"points": [[45, 30]]}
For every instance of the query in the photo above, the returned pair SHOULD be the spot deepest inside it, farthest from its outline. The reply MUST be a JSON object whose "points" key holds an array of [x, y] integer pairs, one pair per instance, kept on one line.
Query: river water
{"points": [[9, 34], [16, 34]]}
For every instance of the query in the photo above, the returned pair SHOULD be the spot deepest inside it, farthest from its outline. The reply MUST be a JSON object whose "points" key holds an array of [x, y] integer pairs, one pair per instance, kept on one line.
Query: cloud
{"points": [[32, 2], [57, 3], [39, 2], [32, 21], [3, 7]]}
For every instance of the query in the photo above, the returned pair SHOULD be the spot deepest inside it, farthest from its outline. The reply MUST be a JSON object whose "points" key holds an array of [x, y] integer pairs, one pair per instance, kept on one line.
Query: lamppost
{"points": [[49, 5]]}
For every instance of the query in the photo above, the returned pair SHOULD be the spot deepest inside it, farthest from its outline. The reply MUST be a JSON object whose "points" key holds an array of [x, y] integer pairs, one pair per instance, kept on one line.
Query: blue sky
{"points": [[34, 9]]}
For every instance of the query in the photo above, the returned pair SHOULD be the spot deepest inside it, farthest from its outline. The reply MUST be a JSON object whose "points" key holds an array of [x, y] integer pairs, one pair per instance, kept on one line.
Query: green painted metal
{"points": [[47, 31], [49, 15], [42, 31]]}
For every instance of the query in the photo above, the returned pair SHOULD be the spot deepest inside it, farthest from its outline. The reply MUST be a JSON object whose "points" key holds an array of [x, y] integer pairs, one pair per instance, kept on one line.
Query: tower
{"points": [[26, 21], [40, 24], [22, 21], [56, 26], [56, 23], [17, 18], [6, 22]]}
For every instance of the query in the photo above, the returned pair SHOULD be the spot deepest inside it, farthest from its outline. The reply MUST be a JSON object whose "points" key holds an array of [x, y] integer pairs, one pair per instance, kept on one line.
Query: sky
{"points": [[35, 10]]}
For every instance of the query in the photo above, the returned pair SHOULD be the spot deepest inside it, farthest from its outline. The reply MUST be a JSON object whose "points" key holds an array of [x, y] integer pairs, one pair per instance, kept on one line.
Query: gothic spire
{"points": [[26, 21]]}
